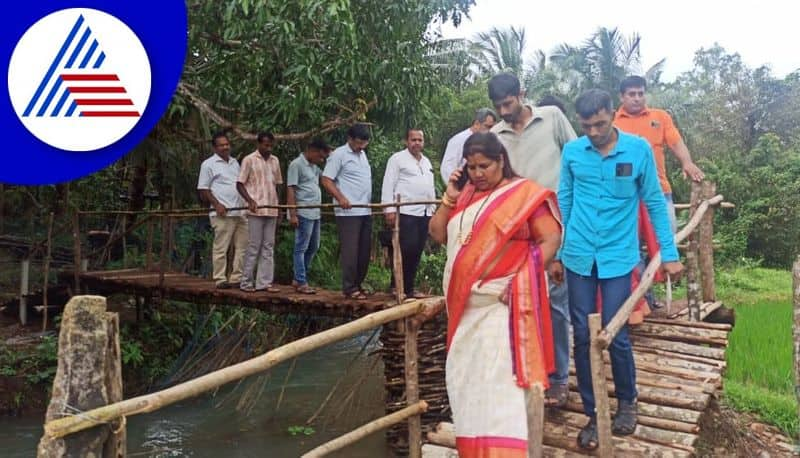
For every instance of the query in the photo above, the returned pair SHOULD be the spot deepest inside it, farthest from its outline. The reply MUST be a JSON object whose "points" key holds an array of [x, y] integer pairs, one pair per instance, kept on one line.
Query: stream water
{"points": [[212, 426]]}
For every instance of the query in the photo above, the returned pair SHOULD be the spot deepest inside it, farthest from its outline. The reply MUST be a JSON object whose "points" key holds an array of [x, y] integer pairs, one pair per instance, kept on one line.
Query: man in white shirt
{"points": [[410, 174], [483, 121], [217, 187]]}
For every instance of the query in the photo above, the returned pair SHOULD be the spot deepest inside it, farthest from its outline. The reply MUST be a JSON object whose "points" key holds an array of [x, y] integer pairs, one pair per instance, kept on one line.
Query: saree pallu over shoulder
{"points": [[494, 253]]}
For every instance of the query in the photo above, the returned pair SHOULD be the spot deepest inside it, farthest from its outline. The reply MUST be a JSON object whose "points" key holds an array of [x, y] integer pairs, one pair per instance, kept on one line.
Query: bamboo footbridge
{"points": [[680, 359]]}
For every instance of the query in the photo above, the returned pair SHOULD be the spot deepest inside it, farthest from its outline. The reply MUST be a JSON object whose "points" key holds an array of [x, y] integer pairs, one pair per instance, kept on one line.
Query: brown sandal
{"points": [[357, 295], [269, 289], [305, 289]]}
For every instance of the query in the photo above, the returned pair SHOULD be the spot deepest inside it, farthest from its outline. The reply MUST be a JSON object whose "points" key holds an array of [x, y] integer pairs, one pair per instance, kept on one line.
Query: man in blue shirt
{"points": [[604, 174]]}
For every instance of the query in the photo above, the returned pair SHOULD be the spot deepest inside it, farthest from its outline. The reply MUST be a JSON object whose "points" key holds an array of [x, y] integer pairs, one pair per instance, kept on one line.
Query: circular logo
{"points": [[79, 79]]}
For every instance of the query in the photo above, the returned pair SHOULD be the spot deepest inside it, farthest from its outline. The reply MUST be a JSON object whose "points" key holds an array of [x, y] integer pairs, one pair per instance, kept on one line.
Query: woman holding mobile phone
{"points": [[501, 231]]}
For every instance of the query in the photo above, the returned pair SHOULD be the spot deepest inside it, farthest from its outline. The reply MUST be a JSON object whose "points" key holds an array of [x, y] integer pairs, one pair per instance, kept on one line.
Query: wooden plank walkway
{"points": [[679, 367], [184, 287]]}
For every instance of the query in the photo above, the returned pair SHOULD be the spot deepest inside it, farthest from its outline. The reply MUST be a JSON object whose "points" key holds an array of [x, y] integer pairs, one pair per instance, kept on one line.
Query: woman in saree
{"points": [[501, 232]]}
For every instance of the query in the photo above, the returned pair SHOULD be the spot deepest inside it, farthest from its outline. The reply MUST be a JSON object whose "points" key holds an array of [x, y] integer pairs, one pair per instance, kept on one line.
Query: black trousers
{"points": [[355, 239], [413, 235]]}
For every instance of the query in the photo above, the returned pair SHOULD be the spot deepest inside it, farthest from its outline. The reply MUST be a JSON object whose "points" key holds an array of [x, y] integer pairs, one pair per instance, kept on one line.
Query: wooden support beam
{"points": [[534, 400], [605, 448], [692, 265], [365, 430], [76, 247], [397, 255], [411, 368], [24, 277], [706, 246], [154, 401], [46, 273]]}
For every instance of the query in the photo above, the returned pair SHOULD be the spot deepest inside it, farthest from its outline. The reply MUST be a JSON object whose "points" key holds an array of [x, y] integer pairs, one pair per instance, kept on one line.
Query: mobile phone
{"points": [[462, 180]]}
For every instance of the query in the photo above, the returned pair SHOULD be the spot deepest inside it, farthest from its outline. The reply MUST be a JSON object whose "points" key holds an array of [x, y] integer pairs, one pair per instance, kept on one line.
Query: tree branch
{"points": [[361, 108]]}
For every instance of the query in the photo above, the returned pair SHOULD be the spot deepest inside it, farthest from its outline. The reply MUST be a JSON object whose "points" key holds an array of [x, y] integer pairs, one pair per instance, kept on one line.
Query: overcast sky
{"points": [[762, 32]]}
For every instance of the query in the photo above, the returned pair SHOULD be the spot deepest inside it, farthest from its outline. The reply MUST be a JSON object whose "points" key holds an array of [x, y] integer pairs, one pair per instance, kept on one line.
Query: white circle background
{"points": [[35, 52]]}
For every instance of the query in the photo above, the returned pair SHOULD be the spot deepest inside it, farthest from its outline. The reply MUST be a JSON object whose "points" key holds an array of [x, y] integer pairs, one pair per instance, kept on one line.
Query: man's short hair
{"points": [[482, 113], [262, 135], [319, 145], [220, 134], [632, 81], [592, 102], [358, 131], [503, 85], [551, 100], [413, 129]]}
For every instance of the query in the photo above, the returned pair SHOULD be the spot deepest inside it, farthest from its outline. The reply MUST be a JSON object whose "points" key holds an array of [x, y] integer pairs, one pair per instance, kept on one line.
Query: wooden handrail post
{"points": [[692, 285], [46, 273], [796, 297], [76, 247], [162, 258], [23, 291], [706, 238], [411, 370], [534, 400], [397, 257], [605, 447], [148, 253]]}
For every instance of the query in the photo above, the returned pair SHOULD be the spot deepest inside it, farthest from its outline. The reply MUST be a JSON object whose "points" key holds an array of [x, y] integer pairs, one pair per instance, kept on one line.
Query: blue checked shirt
{"points": [[599, 200]]}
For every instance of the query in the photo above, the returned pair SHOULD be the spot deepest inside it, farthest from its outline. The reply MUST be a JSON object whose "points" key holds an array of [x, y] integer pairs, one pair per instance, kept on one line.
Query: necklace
{"points": [[464, 239]]}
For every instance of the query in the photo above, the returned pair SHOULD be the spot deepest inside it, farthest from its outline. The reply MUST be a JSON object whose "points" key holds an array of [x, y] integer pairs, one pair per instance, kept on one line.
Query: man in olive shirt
{"points": [[534, 137]]}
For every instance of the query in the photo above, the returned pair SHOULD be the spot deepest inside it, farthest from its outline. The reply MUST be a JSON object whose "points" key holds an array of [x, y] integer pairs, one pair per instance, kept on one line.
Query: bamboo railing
{"points": [[410, 314], [702, 206]]}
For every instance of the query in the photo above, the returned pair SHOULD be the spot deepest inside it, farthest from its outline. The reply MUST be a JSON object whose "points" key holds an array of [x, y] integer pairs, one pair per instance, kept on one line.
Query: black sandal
{"points": [[587, 438], [556, 396], [356, 295], [625, 419]]}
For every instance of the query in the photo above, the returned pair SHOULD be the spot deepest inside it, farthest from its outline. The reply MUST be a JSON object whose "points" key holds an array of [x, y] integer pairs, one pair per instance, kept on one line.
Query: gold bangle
{"points": [[447, 202]]}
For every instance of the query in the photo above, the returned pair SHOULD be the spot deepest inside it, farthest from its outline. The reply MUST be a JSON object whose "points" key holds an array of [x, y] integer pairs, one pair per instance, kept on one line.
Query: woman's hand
{"points": [[452, 190]]}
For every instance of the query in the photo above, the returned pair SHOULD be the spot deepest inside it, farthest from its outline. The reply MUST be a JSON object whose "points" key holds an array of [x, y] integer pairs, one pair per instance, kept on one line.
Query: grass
{"points": [[759, 375]]}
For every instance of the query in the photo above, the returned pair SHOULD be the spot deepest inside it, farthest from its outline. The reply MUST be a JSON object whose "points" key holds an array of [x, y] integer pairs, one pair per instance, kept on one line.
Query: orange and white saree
{"points": [[499, 331]]}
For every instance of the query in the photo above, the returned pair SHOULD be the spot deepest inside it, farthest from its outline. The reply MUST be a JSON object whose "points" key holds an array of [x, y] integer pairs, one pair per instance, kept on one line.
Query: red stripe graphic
{"points": [[109, 114], [97, 89], [94, 77], [104, 101]]}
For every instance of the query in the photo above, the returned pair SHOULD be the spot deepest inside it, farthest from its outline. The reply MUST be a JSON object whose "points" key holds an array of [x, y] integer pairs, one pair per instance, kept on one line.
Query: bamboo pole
{"points": [[619, 320], [796, 295], [411, 372], [46, 279], [367, 429], [706, 238], [397, 258], [76, 246], [154, 401], [720, 204], [692, 265], [605, 448]]}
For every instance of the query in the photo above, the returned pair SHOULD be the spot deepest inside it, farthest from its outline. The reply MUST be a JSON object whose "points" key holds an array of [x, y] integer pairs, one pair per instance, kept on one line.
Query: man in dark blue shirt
{"points": [[604, 174]]}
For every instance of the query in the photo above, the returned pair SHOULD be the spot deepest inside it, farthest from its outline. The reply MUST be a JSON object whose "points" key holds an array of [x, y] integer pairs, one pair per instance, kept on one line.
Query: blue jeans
{"points": [[559, 308], [306, 244], [582, 302]]}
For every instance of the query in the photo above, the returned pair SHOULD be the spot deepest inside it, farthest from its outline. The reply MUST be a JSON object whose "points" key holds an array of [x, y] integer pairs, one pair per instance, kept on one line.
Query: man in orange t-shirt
{"points": [[655, 126]]}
